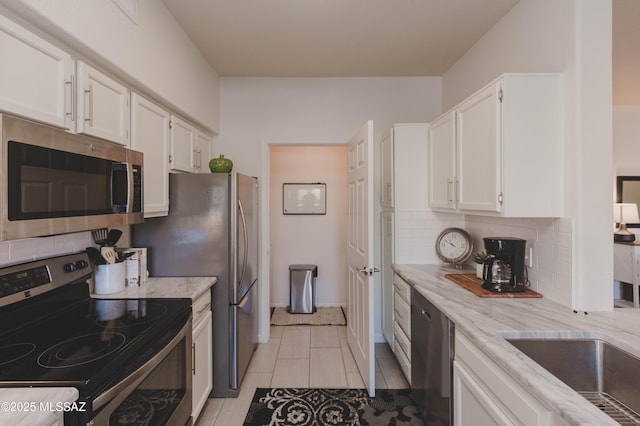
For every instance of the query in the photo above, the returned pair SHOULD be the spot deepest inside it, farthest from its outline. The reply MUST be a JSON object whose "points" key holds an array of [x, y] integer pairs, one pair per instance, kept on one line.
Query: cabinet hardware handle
{"points": [[90, 92], [204, 308], [449, 192], [456, 190], [193, 353], [72, 97], [424, 312]]}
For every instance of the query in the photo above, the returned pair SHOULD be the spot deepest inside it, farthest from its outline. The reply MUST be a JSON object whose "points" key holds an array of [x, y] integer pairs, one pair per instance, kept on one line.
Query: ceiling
{"points": [[342, 38], [335, 38]]}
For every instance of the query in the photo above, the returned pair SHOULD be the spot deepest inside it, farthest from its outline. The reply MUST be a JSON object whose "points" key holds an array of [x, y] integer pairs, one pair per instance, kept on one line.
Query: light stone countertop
{"points": [[486, 322], [164, 288], [35, 406]]}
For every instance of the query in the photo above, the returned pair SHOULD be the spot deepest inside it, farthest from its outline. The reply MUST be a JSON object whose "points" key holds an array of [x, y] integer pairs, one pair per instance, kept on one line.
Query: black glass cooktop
{"points": [[87, 343]]}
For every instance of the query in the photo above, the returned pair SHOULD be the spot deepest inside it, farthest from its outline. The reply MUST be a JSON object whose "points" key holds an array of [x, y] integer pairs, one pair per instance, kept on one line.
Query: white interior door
{"points": [[360, 253]]}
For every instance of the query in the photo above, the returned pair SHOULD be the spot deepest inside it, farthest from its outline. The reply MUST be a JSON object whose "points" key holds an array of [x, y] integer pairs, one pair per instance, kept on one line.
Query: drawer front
{"points": [[405, 364], [402, 311], [402, 342], [200, 307], [402, 288]]}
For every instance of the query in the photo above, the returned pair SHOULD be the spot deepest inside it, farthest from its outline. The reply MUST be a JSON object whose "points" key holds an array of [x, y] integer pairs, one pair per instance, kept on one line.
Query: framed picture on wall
{"points": [[304, 198]]}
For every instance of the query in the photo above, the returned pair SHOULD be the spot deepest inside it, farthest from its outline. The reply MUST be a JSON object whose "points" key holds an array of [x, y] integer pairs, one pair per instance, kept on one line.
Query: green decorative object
{"points": [[480, 257], [220, 165]]}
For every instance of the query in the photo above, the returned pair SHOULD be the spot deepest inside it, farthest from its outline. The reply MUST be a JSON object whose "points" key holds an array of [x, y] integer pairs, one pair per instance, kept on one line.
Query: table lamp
{"points": [[624, 213]]}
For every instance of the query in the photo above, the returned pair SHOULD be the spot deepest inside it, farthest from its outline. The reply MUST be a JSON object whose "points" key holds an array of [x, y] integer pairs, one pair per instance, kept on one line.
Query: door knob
{"points": [[369, 271]]}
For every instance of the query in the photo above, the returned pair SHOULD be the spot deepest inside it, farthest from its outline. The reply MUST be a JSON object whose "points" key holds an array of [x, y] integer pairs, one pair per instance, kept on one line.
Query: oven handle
{"points": [[134, 379]]}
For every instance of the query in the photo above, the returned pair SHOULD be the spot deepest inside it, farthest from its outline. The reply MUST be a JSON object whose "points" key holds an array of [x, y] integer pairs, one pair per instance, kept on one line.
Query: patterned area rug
{"points": [[322, 316], [317, 407]]}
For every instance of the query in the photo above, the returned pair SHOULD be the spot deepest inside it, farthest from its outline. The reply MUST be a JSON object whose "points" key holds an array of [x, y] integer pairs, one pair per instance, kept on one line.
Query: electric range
{"points": [[121, 354]]}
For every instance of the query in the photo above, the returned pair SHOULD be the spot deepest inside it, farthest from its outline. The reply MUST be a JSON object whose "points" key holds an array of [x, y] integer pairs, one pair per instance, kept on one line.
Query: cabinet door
{"points": [[36, 77], [202, 380], [386, 248], [183, 144], [386, 187], [203, 152], [471, 402], [150, 135], [442, 163], [103, 106], [484, 391], [478, 152]]}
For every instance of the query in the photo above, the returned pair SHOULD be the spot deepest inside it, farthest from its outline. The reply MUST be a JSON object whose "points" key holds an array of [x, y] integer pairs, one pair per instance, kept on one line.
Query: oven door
{"points": [[157, 393]]}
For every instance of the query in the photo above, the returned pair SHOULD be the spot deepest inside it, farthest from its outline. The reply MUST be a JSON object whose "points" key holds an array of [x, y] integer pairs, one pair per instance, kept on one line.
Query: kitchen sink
{"points": [[605, 375]]}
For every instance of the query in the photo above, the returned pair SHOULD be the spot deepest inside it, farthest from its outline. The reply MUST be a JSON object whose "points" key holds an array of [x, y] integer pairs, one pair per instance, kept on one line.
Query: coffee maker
{"points": [[504, 270]]}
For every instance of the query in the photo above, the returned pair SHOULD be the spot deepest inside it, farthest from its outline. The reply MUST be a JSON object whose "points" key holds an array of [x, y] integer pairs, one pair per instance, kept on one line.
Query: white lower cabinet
{"points": [[402, 325], [483, 394], [202, 368]]}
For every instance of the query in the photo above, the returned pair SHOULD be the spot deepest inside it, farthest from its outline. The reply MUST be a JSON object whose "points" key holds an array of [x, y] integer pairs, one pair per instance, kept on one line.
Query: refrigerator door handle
{"points": [[246, 241]]}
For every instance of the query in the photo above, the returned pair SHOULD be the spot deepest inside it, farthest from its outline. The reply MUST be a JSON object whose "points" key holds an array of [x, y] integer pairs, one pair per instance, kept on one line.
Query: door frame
{"points": [[265, 236]]}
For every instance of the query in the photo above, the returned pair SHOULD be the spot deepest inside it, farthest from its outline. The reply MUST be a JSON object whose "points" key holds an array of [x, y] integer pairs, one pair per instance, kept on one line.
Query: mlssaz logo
{"points": [[27, 294]]}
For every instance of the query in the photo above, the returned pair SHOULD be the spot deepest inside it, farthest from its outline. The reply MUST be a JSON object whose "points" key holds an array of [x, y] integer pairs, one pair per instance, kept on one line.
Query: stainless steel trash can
{"points": [[302, 289]]}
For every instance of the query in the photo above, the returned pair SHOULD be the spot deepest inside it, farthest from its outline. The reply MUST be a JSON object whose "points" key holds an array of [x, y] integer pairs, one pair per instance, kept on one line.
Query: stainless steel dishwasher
{"points": [[431, 361]]}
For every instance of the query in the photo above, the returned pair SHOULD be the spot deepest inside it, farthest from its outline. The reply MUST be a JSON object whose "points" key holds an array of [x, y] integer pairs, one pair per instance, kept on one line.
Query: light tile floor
{"points": [[301, 357]]}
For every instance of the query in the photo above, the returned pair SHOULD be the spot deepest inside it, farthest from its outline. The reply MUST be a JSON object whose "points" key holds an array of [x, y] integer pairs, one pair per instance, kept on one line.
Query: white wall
{"points": [[626, 140], [257, 109], [572, 37], [258, 112], [304, 239], [153, 54]]}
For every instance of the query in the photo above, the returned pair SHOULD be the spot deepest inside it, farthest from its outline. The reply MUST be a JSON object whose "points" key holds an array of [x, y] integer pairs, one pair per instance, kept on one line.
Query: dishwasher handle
{"points": [[425, 313]]}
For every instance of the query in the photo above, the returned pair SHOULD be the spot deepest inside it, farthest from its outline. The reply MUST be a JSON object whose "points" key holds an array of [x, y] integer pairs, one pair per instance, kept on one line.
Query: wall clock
{"points": [[454, 245]]}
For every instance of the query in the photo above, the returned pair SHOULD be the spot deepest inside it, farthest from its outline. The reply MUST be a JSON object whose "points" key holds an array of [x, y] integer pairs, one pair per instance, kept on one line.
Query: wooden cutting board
{"points": [[474, 285]]}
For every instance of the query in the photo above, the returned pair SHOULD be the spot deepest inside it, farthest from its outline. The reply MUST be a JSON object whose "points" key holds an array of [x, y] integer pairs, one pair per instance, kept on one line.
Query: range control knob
{"points": [[81, 264], [70, 267]]}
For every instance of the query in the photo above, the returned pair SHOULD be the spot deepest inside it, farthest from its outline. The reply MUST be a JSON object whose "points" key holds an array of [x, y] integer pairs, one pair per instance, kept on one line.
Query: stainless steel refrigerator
{"points": [[212, 230]]}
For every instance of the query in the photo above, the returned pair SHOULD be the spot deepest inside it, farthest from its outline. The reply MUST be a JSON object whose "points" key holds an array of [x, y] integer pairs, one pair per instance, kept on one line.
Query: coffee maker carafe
{"points": [[504, 270]]}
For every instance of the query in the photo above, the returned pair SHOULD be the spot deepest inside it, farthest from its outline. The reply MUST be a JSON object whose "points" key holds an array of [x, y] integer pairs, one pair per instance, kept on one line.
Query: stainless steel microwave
{"points": [[55, 182]]}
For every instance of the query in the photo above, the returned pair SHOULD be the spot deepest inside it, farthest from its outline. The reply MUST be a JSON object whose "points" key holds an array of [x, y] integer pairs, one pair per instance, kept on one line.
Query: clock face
{"points": [[454, 245]]}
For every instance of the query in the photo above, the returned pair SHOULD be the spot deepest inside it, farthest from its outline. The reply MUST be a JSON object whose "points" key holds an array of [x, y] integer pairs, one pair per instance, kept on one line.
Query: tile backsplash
{"points": [[417, 232], [549, 244], [549, 239], [28, 249]]}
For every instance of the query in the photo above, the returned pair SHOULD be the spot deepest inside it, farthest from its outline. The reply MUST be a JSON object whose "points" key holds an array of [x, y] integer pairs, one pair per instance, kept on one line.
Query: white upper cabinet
{"points": [[500, 152], [183, 146], [36, 77], [478, 152], [102, 105], [386, 188], [150, 135], [442, 162], [204, 151], [403, 169]]}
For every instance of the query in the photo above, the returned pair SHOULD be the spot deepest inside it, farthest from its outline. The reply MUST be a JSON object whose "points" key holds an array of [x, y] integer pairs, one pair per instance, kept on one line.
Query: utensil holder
{"points": [[109, 278]]}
